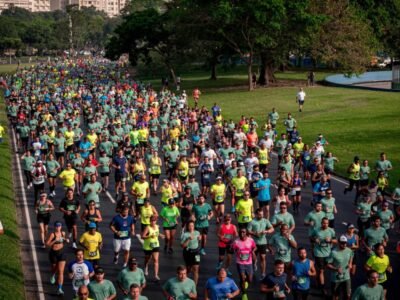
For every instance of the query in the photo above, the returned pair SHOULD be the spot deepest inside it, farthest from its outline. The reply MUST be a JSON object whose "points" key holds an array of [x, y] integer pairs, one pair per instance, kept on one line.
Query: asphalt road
{"points": [[37, 276]]}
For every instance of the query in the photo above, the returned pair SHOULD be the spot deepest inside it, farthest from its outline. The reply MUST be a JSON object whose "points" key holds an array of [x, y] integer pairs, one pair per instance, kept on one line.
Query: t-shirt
{"points": [[69, 205], [328, 206], [101, 291], [121, 162], [243, 251], [201, 213], [140, 189], [123, 225], [364, 292], [94, 188], [239, 184], [244, 209], [68, 177], [385, 216], [104, 164], [80, 270], [180, 289], [271, 280], [340, 258], [169, 215], [263, 193], [194, 243], [374, 236], [92, 243], [219, 191], [315, 218], [322, 248], [258, 226], [365, 211], [127, 277], [218, 290], [285, 218], [379, 264], [282, 247]]}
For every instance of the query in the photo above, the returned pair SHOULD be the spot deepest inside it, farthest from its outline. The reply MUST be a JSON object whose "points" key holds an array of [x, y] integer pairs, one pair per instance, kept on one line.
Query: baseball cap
{"points": [[99, 270], [219, 178], [57, 224], [171, 201], [351, 226], [266, 134], [92, 225], [343, 239], [132, 260]]}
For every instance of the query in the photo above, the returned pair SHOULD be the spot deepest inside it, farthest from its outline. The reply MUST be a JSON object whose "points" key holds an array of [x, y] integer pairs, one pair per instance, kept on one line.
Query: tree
{"points": [[344, 39]]}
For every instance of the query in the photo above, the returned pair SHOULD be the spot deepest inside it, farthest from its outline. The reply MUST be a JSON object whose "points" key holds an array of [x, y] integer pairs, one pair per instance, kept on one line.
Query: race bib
{"points": [[202, 218], [246, 218], [324, 244], [206, 176], [219, 198], [228, 236], [279, 295], [381, 276], [123, 234], [140, 201], [92, 253], [153, 245], [301, 280], [282, 251], [244, 256], [183, 173], [197, 258]]}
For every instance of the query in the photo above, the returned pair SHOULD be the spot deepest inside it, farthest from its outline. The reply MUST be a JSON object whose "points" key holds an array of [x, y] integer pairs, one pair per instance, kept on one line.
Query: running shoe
{"points": [[146, 271], [60, 291], [229, 273], [125, 265], [233, 209], [74, 245], [219, 265], [202, 252], [53, 279], [115, 261], [157, 278], [255, 267]]}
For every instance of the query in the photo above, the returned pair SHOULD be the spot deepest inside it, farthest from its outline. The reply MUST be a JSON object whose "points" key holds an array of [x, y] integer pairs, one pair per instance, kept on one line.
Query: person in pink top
{"points": [[244, 248]]}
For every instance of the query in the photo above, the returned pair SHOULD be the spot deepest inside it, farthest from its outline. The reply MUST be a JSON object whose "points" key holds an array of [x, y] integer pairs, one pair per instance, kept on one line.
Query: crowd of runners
{"points": [[86, 131]]}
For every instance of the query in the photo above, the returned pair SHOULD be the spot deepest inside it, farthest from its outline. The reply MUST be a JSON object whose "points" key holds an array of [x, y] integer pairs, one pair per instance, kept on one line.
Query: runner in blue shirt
{"points": [[264, 197], [221, 287]]}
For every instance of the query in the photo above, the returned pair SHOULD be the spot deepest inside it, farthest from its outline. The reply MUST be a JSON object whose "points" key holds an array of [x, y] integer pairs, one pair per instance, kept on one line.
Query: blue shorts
{"points": [[246, 269]]}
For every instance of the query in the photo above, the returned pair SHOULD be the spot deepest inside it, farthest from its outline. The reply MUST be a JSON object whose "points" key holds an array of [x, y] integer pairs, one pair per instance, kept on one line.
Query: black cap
{"points": [[99, 270]]}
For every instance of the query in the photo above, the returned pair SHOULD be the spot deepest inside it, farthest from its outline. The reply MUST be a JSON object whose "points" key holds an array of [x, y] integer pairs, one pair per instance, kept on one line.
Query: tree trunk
{"points": [[213, 71], [266, 71], [172, 73], [250, 72]]}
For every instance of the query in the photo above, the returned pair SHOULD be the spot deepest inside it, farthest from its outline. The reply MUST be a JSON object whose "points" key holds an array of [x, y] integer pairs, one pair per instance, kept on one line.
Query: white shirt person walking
{"points": [[300, 97]]}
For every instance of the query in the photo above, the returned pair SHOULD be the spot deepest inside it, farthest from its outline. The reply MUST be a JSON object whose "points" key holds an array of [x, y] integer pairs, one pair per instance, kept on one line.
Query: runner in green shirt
{"points": [[202, 213], [340, 262], [258, 228], [371, 290], [374, 235], [180, 287], [170, 215], [100, 288], [131, 275], [282, 242]]}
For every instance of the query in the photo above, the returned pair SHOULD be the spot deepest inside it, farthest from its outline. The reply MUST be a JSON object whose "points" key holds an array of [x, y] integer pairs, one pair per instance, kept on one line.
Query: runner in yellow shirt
{"points": [[68, 177], [218, 193], [141, 191], [92, 242], [239, 185]]}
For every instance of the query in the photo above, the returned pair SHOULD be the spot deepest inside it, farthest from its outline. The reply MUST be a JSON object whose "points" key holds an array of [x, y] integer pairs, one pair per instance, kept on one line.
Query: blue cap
{"points": [[57, 224], [92, 225]]}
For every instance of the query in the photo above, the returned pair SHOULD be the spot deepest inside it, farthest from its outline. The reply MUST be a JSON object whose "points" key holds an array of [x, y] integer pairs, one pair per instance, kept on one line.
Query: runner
{"points": [[71, 207], [191, 249], [43, 209], [170, 215], [80, 271], [202, 213], [371, 290], [221, 287], [92, 243], [274, 284], [302, 269], [180, 287], [131, 275], [101, 288], [151, 246]]}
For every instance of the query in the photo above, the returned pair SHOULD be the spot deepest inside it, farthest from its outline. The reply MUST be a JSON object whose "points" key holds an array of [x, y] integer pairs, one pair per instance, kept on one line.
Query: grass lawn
{"points": [[11, 276], [355, 122]]}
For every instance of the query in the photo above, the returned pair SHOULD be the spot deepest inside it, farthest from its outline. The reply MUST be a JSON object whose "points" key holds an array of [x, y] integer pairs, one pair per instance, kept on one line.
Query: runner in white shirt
{"points": [[300, 97]]}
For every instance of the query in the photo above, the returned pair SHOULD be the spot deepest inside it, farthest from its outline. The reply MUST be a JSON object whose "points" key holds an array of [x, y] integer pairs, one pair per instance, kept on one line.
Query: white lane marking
{"points": [[110, 197], [29, 224]]}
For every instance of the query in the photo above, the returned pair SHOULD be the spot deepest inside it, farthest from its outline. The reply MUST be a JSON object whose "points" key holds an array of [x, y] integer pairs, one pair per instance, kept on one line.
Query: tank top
{"points": [[355, 172], [351, 240], [155, 165], [263, 156], [59, 240], [279, 200], [151, 243], [228, 233], [91, 216], [145, 214], [300, 271], [42, 208], [139, 168]]}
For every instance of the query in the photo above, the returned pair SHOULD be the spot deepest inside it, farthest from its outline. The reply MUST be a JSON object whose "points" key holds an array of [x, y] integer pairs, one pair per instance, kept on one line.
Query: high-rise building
{"points": [[31, 5]]}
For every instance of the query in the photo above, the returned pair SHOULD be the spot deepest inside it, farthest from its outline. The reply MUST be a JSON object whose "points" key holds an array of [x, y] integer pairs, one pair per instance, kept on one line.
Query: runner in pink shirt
{"points": [[244, 248]]}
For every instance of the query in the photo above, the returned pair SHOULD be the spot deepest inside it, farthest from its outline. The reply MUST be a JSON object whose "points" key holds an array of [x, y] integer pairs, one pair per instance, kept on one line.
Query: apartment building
{"points": [[31, 5]]}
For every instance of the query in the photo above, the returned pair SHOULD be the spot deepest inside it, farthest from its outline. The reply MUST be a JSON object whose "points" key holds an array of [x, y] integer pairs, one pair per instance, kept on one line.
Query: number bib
{"points": [[93, 254], [244, 256], [123, 234]]}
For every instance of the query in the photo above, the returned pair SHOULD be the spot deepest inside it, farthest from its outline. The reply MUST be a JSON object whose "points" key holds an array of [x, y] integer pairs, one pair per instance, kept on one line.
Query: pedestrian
{"points": [[275, 284], [131, 275], [371, 290], [101, 288], [302, 270], [220, 287], [92, 243], [300, 98], [43, 209], [180, 286], [80, 271]]}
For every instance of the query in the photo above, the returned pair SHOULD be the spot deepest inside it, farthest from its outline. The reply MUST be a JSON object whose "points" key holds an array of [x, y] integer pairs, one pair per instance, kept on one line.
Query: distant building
{"points": [[31, 5], [111, 7]]}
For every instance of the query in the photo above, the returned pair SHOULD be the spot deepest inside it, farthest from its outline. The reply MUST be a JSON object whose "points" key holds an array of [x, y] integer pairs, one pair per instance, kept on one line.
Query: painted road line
{"points": [[29, 224], [110, 197]]}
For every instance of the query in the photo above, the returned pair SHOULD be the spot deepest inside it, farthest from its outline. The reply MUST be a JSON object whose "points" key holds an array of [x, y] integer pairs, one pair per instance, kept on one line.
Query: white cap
{"points": [[343, 239]]}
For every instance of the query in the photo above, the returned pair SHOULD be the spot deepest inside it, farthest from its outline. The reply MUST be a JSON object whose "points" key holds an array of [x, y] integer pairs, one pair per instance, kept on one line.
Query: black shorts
{"points": [[56, 256], [106, 174], [119, 177], [44, 151], [52, 176], [170, 227], [385, 284], [43, 218], [150, 252], [143, 144], [70, 221], [364, 182], [182, 178], [332, 223], [320, 262], [69, 148], [261, 249], [191, 258], [205, 182], [301, 102], [215, 203], [243, 225], [262, 204], [203, 231], [60, 154], [155, 176], [222, 250]]}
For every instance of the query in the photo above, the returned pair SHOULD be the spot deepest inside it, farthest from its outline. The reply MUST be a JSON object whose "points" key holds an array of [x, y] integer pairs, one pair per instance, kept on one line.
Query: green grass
{"points": [[12, 68], [11, 276]]}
